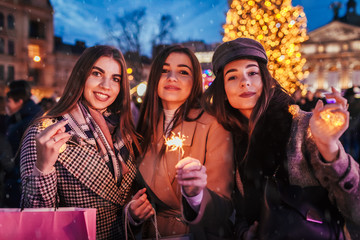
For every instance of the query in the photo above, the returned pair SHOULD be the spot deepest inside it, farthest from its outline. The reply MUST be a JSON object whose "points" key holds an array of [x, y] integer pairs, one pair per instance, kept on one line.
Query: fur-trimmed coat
{"points": [[340, 178]]}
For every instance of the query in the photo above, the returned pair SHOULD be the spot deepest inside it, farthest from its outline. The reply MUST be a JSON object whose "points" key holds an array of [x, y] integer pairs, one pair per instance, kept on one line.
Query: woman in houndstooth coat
{"points": [[80, 153]]}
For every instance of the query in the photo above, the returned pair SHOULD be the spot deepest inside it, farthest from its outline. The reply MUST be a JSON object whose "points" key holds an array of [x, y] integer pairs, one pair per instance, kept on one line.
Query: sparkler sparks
{"points": [[332, 119], [175, 142], [47, 123]]}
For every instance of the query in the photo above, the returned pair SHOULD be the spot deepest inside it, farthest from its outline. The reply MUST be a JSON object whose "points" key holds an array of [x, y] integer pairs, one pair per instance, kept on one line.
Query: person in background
{"points": [[310, 102], [275, 139], [351, 137], [3, 115], [46, 103], [6, 155], [190, 190], [22, 110], [298, 98], [81, 153], [318, 95]]}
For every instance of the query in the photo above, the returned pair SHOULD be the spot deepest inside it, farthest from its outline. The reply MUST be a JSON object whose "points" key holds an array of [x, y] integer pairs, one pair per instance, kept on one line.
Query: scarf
{"points": [[102, 132]]}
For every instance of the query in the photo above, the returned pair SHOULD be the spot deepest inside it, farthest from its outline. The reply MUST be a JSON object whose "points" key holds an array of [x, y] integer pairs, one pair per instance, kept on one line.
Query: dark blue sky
{"points": [[196, 20]]}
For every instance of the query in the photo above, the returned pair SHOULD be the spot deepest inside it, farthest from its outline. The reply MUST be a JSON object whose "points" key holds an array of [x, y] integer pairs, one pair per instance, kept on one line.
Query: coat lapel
{"points": [[85, 164], [83, 161]]}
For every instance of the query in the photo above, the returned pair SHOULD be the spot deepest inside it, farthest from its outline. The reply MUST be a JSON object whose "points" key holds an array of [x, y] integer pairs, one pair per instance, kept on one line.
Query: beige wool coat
{"points": [[207, 141]]}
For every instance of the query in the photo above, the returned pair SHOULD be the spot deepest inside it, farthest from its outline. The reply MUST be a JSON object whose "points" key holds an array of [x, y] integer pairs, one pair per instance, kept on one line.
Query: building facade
{"points": [[29, 50], [332, 52]]}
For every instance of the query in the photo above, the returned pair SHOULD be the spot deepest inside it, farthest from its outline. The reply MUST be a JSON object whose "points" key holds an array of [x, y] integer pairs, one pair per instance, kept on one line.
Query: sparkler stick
{"points": [[173, 143]]}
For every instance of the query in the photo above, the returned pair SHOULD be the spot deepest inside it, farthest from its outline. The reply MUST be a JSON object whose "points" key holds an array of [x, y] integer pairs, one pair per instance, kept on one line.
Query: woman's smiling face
{"points": [[243, 84], [176, 80], [103, 84]]}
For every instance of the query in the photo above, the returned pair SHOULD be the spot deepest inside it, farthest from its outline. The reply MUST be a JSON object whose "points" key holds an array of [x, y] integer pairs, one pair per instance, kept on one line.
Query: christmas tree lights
{"points": [[280, 27]]}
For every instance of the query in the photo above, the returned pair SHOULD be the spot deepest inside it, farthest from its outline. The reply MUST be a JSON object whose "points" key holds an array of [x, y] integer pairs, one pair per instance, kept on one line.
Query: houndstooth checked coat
{"points": [[81, 179]]}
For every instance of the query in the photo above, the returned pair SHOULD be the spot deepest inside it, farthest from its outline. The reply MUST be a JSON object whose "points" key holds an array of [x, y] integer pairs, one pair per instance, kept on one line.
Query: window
{"points": [[11, 73], [2, 73], [2, 45], [1, 20], [309, 49], [11, 48], [355, 45], [333, 48], [10, 22], [33, 51], [37, 29]]}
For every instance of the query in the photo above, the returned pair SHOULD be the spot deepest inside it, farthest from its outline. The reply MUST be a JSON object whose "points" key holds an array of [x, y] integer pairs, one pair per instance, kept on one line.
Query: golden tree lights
{"points": [[280, 27]]}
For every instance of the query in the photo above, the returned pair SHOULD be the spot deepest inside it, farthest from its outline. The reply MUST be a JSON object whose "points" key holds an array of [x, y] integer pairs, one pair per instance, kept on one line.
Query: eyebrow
{"points": [[180, 65], [102, 71], [235, 70]]}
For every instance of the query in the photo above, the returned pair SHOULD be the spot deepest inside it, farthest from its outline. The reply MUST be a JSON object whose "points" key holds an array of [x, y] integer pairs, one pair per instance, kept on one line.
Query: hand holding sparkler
{"points": [[49, 143], [328, 123], [191, 175]]}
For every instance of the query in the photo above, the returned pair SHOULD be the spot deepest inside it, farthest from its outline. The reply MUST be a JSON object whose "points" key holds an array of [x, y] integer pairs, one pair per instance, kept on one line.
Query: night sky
{"points": [[85, 20]]}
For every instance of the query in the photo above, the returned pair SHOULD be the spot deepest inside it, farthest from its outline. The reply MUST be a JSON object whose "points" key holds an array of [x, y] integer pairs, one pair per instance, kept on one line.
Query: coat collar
{"points": [[84, 163]]}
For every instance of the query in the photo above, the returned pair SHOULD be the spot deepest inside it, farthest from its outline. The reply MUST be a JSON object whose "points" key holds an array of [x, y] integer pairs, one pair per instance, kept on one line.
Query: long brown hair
{"points": [[216, 103], [152, 106], [74, 89]]}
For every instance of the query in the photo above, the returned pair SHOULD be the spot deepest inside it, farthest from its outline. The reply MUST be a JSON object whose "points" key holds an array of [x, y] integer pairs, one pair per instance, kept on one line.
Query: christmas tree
{"points": [[280, 27]]}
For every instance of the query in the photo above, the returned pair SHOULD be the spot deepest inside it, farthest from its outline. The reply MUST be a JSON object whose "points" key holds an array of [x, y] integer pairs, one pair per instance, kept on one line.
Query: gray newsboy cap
{"points": [[237, 49]]}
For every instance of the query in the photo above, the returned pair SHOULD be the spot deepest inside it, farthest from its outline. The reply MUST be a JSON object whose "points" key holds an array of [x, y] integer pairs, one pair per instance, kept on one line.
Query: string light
{"points": [[280, 27]]}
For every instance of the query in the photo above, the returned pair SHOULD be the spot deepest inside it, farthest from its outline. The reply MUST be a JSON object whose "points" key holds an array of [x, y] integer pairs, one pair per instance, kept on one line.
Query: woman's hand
{"points": [[48, 144], [328, 123], [191, 175], [140, 209]]}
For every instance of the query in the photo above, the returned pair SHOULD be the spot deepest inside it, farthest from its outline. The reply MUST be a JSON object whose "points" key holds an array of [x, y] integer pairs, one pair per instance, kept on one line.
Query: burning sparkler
{"points": [[47, 123], [175, 142], [332, 119]]}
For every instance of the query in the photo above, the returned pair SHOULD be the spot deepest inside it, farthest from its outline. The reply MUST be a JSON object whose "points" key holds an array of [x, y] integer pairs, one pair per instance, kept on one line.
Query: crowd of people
{"points": [[244, 145]]}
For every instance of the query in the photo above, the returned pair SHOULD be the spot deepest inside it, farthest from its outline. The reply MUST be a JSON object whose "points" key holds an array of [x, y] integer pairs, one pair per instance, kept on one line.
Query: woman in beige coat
{"points": [[190, 189]]}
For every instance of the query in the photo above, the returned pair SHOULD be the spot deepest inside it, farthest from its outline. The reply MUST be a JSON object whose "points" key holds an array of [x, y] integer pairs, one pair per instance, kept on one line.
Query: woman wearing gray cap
{"points": [[294, 179]]}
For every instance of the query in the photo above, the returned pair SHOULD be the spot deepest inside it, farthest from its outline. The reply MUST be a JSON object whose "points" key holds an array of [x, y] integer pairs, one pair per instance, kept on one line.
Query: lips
{"points": [[171, 87], [101, 96], [247, 94]]}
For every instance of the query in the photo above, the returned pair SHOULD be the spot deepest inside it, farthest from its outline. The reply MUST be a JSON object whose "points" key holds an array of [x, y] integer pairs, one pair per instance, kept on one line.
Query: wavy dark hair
{"points": [[152, 106], [216, 103], [73, 92]]}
